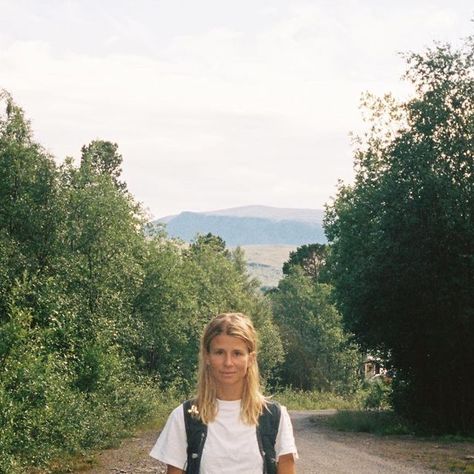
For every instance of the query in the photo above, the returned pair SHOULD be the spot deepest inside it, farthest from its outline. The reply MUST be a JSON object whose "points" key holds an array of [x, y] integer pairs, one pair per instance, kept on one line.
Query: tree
{"points": [[319, 354], [71, 249], [103, 244], [402, 239], [311, 258], [28, 186], [182, 290], [102, 158], [209, 241]]}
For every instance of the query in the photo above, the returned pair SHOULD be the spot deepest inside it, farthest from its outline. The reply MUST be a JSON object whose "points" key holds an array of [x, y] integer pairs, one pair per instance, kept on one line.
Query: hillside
{"points": [[250, 225], [265, 262], [267, 234]]}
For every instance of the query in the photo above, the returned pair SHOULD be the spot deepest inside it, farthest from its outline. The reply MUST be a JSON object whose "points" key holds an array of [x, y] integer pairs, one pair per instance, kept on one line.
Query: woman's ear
{"points": [[252, 358]]}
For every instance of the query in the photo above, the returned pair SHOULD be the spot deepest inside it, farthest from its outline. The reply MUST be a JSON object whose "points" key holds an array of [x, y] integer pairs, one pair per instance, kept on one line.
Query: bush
{"points": [[378, 393], [45, 415]]}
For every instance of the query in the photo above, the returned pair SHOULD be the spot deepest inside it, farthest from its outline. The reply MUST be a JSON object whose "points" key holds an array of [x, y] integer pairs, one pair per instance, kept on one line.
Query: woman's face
{"points": [[228, 361]]}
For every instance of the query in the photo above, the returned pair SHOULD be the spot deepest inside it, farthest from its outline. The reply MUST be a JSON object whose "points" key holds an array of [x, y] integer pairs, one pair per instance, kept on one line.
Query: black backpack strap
{"points": [[196, 432], [267, 431]]}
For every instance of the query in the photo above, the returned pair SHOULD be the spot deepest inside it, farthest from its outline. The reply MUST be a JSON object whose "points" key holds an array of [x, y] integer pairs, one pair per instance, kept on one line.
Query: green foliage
{"points": [[312, 259], [402, 253], [295, 399], [102, 158], [95, 316], [209, 241], [319, 354], [27, 195], [377, 422], [71, 253], [183, 288], [45, 412], [377, 394]]}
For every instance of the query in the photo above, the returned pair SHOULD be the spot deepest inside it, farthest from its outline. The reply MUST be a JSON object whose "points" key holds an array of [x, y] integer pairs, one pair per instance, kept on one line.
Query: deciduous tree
{"points": [[403, 239], [311, 258]]}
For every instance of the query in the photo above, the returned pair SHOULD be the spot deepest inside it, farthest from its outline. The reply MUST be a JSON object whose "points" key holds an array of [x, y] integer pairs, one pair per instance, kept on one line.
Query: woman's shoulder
{"points": [[177, 414], [276, 411], [271, 401], [272, 405], [270, 416]]}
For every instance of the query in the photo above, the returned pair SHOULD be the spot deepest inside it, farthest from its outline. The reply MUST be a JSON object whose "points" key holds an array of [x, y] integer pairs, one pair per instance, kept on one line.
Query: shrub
{"points": [[377, 394]]}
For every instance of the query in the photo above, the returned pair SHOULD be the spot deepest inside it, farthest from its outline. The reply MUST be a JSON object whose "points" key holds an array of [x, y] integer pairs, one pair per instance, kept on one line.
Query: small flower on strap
{"points": [[193, 411]]}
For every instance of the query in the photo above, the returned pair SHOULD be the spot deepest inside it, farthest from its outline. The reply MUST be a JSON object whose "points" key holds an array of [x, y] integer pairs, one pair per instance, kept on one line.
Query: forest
{"points": [[100, 315]]}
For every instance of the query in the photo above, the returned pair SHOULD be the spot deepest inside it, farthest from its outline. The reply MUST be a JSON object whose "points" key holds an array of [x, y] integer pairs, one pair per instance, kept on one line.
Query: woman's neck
{"points": [[229, 394]]}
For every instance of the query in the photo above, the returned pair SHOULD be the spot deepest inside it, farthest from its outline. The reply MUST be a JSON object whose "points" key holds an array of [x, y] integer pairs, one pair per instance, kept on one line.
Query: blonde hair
{"points": [[253, 402]]}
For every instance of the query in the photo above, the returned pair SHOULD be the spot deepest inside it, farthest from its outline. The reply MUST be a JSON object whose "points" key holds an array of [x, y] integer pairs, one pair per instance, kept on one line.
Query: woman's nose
{"points": [[228, 359]]}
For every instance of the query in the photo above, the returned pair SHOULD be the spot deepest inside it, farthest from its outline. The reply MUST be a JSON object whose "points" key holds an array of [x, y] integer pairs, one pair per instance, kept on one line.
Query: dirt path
{"points": [[321, 450]]}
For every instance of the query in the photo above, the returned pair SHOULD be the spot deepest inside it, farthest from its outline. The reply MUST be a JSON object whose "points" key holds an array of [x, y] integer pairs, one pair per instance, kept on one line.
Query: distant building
{"points": [[373, 367]]}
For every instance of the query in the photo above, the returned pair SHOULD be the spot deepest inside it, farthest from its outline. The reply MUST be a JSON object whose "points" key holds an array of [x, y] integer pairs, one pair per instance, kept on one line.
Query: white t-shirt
{"points": [[231, 446]]}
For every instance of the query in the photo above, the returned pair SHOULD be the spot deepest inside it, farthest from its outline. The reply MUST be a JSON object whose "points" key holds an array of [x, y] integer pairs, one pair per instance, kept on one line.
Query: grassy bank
{"points": [[304, 400], [376, 422], [385, 422]]}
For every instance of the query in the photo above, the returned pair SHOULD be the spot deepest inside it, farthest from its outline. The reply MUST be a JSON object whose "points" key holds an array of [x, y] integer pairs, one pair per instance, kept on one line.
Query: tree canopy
{"points": [[311, 258], [319, 352], [96, 317], [402, 256]]}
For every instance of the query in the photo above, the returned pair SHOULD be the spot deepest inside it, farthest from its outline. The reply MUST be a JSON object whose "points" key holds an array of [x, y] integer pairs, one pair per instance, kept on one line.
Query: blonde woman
{"points": [[230, 427]]}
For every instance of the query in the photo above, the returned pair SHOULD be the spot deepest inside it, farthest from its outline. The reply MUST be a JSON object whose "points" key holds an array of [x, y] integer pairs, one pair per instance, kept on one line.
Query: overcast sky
{"points": [[215, 103]]}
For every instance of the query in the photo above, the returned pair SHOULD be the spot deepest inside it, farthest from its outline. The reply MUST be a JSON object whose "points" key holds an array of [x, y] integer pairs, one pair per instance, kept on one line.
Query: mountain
{"points": [[273, 213], [250, 225]]}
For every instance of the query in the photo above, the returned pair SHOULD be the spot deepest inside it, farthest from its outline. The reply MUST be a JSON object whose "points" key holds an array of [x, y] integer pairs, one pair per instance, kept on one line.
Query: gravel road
{"points": [[321, 450]]}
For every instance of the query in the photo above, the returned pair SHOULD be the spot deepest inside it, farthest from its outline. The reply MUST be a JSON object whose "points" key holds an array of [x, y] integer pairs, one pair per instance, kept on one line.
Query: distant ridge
{"points": [[250, 225], [275, 213]]}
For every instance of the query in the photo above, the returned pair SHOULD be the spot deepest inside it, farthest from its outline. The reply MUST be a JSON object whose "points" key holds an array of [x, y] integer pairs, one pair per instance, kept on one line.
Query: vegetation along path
{"points": [[321, 450]]}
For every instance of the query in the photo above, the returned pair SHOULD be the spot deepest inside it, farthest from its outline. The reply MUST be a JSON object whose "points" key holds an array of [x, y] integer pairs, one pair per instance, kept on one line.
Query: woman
{"points": [[240, 430]]}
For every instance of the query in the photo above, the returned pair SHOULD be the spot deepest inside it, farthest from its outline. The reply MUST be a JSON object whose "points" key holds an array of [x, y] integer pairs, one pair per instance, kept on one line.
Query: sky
{"points": [[215, 103]]}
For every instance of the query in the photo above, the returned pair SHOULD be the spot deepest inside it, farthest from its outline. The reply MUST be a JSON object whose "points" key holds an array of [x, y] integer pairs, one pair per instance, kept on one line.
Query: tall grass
{"points": [[314, 400], [376, 422], [386, 422]]}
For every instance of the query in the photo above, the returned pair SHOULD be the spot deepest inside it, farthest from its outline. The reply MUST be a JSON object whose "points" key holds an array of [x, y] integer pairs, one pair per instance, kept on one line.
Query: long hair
{"points": [[253, 402]]}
